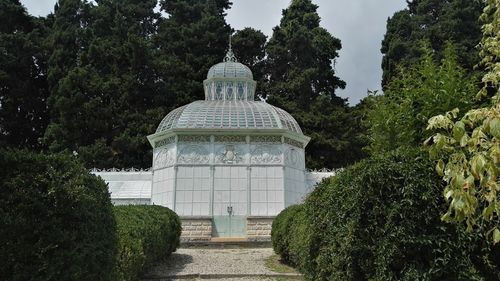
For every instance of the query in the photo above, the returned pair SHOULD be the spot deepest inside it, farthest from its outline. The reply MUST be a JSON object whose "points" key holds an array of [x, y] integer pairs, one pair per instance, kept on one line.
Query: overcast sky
{"points": [[359, 24]]}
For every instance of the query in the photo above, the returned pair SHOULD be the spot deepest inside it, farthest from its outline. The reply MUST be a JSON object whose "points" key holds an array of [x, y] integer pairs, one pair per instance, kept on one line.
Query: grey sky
{"points": [[359, 24]]}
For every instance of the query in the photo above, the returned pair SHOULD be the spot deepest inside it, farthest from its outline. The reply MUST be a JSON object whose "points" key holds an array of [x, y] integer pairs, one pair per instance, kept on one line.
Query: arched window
{"points": [[218, 91], [229, 91], [241, 91]]}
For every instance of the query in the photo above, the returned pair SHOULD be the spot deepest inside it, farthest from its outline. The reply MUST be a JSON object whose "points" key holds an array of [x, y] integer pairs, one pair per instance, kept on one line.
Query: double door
{"points": [[230, 202]]}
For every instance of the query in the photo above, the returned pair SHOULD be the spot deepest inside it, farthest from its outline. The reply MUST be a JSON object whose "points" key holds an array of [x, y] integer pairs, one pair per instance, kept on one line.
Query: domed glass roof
{"points": [[229, 104], [218, 114], [229, 69]]}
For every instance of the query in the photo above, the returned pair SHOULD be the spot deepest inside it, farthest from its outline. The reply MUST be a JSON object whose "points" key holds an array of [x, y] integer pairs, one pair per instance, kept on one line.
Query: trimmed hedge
{"points": [[293, 249], [146, 234], [380, 220], [56, 219], [280, 230]]}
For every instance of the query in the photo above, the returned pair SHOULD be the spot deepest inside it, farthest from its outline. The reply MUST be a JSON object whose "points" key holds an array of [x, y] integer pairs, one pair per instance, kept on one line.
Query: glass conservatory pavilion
{"points": [[228, 164]]}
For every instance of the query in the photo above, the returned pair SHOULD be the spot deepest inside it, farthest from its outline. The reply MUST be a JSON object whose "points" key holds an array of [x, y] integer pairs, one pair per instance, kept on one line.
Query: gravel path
{"points": [[214, 264]]}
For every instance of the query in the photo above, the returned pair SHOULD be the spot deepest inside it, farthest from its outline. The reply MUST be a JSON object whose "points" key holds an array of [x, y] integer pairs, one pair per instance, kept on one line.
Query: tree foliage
{"points": [[468, 149], [249, 46], [96, 77], [101, 103], [399, 117], [436, 21], [23, 76], [193, 38], [300, 56], [120, 67], [301, 79]]}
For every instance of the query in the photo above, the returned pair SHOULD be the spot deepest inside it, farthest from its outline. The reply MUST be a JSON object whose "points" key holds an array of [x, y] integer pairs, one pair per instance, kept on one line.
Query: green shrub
{"points": [[290, 236], [299, 239], [378, 220], [146, 234], [56, 219], [280, 230]]}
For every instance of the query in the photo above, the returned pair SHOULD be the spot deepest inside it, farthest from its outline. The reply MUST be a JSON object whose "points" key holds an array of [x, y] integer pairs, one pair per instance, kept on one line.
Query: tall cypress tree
{"points": [[102, 105], [249, 46], [301, 54], [67, 40], [437, 22], [68, 37], [302, 80], [23, 76], [192, 39]]}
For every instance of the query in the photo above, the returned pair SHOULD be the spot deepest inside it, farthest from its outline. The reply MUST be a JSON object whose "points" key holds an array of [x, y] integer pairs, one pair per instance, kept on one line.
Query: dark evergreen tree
{"points": [[249, 46], [68, 37], [67, 41], [435, 21], [192, 39], [103, 103], [302, 81], [23, 76]]}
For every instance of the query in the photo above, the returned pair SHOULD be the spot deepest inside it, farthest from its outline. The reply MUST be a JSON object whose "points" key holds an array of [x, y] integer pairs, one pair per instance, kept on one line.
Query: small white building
{"points": [[227, 165]]}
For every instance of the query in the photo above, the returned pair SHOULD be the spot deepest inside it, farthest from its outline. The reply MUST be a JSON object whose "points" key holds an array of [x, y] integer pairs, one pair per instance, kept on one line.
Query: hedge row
{"points": [[56, 220], [146, 234], [57, 223], [285, 222], [380, 220]]}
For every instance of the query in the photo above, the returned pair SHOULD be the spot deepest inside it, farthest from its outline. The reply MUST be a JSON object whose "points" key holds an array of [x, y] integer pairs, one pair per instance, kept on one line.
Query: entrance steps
{"points": [[226, 242], [276, 276]]}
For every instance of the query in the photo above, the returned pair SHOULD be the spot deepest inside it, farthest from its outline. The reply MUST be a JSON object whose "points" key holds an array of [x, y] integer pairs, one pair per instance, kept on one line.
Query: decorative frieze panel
{"points": [[165, 141], [294, 142], [266, 139], [293, 158], [266, 154], [194, 138], [230, 154], [228, 139], [163, 157], [193, 154]]}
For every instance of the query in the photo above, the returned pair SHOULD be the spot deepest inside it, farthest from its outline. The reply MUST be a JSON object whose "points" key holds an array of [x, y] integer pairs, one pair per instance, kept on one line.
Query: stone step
{"points": [[228, 239], [286, 276], [223, 242]]}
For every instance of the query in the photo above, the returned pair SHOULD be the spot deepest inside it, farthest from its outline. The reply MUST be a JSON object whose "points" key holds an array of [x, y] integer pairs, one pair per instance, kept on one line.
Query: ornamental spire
{"points": [[230, 55]]}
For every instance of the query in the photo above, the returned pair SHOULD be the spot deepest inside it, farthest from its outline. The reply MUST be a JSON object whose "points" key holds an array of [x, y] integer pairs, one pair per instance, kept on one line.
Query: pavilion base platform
{"points": [[201, 230]]}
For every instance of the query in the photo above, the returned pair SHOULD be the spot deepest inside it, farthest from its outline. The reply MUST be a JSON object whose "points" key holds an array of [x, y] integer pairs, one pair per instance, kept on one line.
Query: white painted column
{"points": [[249, 186], [212, 175], [174, 192], [249, 177], [212, 180]]}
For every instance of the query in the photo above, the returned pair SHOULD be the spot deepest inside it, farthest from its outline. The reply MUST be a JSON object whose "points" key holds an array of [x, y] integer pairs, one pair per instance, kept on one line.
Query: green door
{"points": [[230, 202]]}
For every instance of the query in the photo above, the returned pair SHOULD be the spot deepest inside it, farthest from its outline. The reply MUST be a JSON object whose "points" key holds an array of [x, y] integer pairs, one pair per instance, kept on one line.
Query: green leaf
{"points": [[440, 167], [446, 217], [477, 165], [448, 194], [458, 130], [496, 236], [488, 211], [464, 140], [495, 127]]}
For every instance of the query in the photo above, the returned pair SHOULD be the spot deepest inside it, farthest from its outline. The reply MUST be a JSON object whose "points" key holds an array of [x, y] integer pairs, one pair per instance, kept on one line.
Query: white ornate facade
{"points": [[228, 158], [256, 176]]}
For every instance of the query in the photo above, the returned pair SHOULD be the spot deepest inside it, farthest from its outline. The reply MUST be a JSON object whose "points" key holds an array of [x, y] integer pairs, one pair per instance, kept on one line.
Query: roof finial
{"points": [[230, 55]]}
